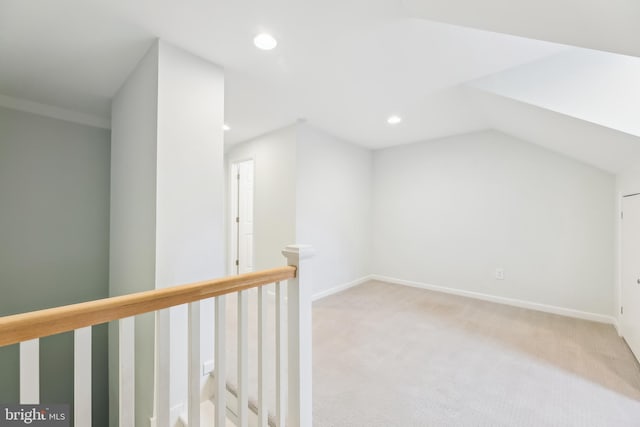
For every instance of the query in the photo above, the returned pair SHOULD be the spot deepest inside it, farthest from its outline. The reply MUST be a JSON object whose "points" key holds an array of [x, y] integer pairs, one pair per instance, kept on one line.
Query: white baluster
{"points": [[194, 364], [82, 377], [30, 372], [126, 372], [162, 368], [281, 376], [220, 384], [243, 359], [299, 336], [262, 357]]}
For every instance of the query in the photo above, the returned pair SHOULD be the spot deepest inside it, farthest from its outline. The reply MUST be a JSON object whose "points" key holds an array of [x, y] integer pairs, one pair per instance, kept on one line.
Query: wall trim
{"points": [[340, 288], [562, 311], [54, 112], [616, 324]]}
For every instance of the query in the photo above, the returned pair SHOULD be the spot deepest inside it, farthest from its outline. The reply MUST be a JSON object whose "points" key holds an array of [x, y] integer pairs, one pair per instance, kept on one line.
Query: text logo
{"points": [[34, 415]]}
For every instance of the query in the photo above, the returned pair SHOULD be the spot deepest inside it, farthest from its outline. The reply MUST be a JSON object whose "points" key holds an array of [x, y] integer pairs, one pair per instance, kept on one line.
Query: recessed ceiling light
{"points": [[265, 41], [226, 127], [394, 120]]}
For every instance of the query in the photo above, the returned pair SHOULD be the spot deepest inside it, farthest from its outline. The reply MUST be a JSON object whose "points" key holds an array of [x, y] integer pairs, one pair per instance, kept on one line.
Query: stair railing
{"points": [[292, 381]]}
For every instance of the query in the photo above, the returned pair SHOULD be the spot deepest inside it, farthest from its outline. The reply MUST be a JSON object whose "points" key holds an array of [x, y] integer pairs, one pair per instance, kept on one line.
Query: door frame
{"points": [[620, 288], [618, 264], [233, 209]]}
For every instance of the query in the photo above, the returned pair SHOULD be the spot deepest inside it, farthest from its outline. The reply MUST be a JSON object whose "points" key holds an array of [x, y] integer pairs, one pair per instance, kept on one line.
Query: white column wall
{"points": [[133, 225], [166, 202], [189, 219]]}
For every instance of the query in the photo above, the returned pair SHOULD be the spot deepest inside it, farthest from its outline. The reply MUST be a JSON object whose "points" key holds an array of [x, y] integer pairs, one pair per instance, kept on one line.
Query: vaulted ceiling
{"points": [[446, 67], [607, 25]]}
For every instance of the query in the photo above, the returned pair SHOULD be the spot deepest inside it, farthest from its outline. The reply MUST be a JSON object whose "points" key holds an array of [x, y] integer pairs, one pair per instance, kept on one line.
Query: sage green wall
{"points": [[54, 242]]}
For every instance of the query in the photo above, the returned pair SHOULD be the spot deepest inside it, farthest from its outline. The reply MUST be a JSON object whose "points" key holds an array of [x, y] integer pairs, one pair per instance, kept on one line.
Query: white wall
{"points": [[449, 212], [333, 207], [628, 181], [167, 224], [133, 211], [274, 205], [190, 193]]}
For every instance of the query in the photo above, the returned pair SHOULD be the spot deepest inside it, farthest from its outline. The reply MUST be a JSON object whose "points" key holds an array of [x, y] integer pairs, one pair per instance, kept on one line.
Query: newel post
{"points": [[299, 335]]}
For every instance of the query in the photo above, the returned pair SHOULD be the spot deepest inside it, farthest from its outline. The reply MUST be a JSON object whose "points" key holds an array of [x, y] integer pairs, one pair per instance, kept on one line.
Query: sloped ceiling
{"points": [[598, 87], [344, 66], [581, 102], [447, 67], [599, 146], [607, 25]]}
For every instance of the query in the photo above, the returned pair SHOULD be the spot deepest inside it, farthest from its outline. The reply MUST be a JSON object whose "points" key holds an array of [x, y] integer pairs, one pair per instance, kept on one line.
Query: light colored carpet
{"points": [[387, 355]]}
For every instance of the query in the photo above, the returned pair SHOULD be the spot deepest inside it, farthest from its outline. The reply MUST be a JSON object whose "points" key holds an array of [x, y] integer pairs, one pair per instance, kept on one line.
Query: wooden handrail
{"points": [[42, 323]]}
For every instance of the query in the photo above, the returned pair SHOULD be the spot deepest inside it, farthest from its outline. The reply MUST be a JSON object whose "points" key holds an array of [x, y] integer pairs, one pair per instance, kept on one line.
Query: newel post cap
{"points": [[298, 252]]}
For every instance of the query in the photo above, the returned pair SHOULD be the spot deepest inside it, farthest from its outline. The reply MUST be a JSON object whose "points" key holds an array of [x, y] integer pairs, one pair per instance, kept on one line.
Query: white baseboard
{"points": [[174, 416], [340, 288], [616, 324], [562, 311]]}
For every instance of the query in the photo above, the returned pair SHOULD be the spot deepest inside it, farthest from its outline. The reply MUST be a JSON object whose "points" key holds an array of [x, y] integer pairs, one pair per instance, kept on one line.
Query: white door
{"points": [[242, 216], [630, 298]]}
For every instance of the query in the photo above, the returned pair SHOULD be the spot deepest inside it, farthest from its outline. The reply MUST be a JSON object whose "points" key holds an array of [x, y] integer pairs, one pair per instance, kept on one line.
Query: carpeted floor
{"points": [[388, 355]]}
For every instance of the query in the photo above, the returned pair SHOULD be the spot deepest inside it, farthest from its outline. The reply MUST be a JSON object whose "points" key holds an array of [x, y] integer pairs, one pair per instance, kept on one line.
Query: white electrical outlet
{"points": [[499, 273], [207, 367]]}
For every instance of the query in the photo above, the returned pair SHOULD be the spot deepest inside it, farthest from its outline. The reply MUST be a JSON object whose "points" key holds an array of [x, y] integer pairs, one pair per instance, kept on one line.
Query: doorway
{"points": [[242, 190], [630, 277]]}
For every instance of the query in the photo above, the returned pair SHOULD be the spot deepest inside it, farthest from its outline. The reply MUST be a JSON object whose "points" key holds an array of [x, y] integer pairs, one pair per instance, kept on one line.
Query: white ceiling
{"points": [[608, 25], [600, 146], [343, 66], [594, 86]]}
